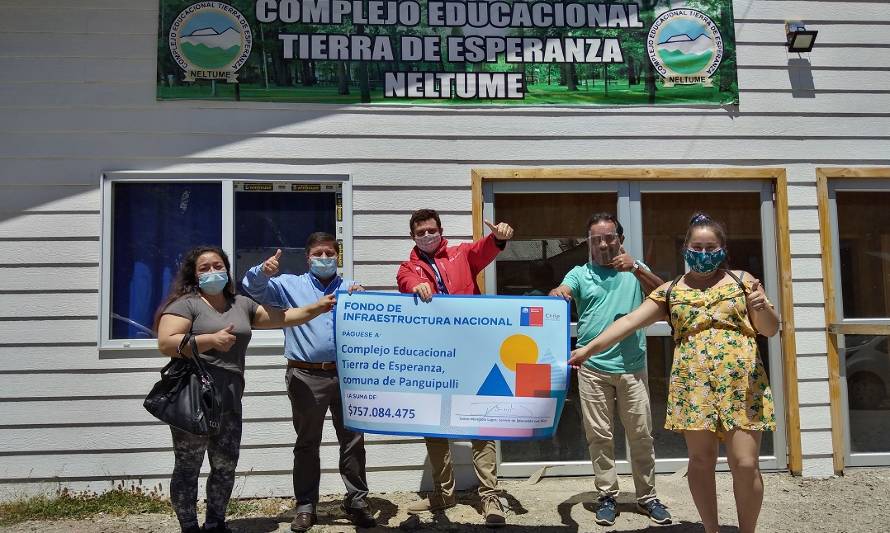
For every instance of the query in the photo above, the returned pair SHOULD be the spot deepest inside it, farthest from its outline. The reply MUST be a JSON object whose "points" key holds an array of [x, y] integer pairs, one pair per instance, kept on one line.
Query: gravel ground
{"points": [[857, 502]]}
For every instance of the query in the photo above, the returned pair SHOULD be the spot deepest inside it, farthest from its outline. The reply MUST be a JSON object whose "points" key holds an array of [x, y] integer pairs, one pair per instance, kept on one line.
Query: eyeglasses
{"points": [[705, 248], [608, 238]]}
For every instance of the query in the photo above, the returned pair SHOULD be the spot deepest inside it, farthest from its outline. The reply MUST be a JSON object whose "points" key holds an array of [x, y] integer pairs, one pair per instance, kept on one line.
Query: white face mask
{"points": [[429, 242]]}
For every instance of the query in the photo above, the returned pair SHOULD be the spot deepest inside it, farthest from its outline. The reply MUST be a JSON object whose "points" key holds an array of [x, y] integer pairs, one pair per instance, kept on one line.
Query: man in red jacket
{"points": [[436, 268]]}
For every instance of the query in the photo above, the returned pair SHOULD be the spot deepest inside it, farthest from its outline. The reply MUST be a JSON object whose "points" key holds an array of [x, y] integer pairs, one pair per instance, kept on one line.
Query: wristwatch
{"points": [[636, 266]]}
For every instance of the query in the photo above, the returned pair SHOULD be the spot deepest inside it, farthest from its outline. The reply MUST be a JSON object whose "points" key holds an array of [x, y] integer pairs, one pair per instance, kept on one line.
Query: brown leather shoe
{"points": [[434, 503], [493, 512], [303, 522], [360, 516]]}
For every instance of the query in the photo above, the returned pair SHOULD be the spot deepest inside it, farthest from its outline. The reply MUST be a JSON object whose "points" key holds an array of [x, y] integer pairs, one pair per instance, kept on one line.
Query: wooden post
{"points": [[789, 344]]}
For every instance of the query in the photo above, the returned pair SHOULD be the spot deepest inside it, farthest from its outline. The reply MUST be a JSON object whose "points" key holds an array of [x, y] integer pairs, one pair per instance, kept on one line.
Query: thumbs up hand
{"points": [[270, 266], [757, 298], [623, 262], [223, 339], [501, 231]]}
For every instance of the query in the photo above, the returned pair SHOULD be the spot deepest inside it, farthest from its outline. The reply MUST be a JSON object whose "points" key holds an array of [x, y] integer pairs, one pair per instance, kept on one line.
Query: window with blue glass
{"points": [[281, 216], [154, 225]]}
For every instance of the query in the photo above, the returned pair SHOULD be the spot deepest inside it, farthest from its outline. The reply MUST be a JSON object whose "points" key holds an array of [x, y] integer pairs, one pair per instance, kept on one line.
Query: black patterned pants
{"points": [[189, 449]]}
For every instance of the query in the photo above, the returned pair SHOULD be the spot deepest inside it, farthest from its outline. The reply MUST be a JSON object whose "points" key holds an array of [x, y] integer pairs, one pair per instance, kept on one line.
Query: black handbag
{"points": [[185, 397]]}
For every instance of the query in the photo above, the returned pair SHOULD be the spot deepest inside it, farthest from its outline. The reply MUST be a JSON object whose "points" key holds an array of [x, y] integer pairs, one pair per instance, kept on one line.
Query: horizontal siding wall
{"points": [[77, 98]]}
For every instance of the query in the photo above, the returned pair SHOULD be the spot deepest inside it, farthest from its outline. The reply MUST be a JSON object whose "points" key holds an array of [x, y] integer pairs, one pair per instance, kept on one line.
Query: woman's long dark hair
{"points": [[186, 281]]}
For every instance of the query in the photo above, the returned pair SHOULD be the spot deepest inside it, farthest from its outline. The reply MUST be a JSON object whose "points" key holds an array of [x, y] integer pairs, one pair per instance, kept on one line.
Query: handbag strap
{"points": [[667, 301], [737, 280], [183, 343], [192, 341], [196, 355]]}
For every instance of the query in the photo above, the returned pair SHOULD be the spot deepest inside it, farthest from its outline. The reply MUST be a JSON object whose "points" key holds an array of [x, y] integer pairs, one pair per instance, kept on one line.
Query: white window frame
{"points": [[850, 185], [261, 338]]}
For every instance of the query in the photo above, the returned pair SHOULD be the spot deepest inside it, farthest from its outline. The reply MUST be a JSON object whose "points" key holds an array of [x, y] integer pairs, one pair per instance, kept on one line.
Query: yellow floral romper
{"points": [[718, 381]]}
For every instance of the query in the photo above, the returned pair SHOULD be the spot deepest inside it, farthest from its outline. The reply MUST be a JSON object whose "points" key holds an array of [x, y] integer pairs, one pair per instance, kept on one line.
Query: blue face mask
{"points": [[323, 267], [704, 262], [213, 282]]}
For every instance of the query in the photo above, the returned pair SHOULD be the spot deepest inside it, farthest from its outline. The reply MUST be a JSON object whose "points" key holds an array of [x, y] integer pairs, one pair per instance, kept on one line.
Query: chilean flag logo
{"points": [[531, 316]]}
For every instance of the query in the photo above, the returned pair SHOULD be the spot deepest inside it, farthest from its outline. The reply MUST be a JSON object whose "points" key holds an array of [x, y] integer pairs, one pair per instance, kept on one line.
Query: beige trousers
{"points": [[484, 462], [599, 392]]}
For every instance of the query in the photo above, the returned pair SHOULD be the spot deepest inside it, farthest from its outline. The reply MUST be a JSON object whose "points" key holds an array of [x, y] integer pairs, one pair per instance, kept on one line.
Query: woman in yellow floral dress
{"points": [[718, 385]]}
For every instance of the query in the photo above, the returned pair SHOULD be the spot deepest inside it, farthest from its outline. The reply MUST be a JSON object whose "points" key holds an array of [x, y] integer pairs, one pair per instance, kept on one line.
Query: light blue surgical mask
{"points": [[705, 261], [213, 282], [323, 267]]}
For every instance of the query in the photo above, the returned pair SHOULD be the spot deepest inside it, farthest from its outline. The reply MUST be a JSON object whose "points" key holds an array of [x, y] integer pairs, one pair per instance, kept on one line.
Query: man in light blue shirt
{"points": [[312, 382]]}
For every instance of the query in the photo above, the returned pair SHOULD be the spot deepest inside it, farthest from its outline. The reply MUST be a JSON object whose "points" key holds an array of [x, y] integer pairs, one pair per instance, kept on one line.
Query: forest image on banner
{"points": [[449, 52]]}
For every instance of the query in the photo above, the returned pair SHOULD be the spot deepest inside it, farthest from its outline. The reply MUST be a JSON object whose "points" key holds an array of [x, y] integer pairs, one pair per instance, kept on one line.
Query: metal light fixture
{"points": [[799, 38]]}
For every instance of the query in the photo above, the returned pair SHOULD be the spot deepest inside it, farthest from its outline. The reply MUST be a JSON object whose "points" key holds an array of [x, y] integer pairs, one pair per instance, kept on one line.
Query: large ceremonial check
{"points": [[457, 367]]}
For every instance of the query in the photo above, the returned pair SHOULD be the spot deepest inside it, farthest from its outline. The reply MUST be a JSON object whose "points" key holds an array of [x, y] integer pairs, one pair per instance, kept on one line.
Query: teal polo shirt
{"points": [[602, 296]]}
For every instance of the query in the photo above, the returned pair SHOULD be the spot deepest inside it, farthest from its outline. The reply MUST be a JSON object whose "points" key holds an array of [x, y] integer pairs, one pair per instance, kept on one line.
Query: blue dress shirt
{"points": [[313, 342]]}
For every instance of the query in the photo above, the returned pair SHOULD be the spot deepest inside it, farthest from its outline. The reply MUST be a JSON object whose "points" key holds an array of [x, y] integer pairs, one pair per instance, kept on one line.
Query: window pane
{"points": [[266, 220], [549, 241], [660, 355], [666, 219], [549, 238], [864, 229], [154, 225], [867, 362]]}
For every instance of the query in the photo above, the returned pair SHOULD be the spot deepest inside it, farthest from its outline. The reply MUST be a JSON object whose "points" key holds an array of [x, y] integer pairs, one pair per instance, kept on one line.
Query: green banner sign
{"points": [[533, 52]]}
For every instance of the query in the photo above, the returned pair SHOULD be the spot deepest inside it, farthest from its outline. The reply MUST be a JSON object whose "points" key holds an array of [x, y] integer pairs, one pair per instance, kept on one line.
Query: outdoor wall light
{"points": [[800, 39]]}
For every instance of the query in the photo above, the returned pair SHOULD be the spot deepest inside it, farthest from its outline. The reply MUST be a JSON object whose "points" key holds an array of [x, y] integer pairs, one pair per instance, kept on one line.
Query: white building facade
{"points": [[799, 171]]}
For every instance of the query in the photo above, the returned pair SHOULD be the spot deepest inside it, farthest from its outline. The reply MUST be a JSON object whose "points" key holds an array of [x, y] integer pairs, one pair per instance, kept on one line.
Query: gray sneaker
{"points": [[656, 511], [607, 511]]}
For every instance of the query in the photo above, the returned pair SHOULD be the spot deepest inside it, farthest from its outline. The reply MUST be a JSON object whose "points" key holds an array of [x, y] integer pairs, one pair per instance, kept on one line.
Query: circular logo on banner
{"points": [[210, 40], [685, 46]]}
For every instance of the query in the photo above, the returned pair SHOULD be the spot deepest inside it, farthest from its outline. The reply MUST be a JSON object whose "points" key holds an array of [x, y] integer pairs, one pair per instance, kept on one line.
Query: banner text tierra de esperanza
{"points": [[458, 49]]}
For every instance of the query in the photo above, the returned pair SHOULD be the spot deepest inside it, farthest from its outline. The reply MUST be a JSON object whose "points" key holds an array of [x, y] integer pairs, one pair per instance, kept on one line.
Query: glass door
{"points": [[550, 222], [860, 226], [746, 210]]}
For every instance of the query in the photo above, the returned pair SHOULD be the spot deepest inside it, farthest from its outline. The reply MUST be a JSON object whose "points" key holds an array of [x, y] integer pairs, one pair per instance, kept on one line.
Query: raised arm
{"points": [[172, 329], [272, 317], [624, 262], [258, 284], [648, 280], [646, 314]]}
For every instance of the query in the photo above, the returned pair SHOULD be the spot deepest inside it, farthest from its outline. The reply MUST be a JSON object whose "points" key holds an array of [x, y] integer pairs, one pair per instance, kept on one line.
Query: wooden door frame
{"points": [[777, 176], [833, 328]]}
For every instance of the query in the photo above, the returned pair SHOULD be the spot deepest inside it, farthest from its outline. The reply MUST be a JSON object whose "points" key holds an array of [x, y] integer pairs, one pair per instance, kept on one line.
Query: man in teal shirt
{"points": [[609, 286]]}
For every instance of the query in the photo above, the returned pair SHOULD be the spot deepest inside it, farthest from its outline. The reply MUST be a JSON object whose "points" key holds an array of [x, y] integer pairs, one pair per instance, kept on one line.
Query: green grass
{"points": [[69, 505], [209, 58], [619, 93], [685, 63]]}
